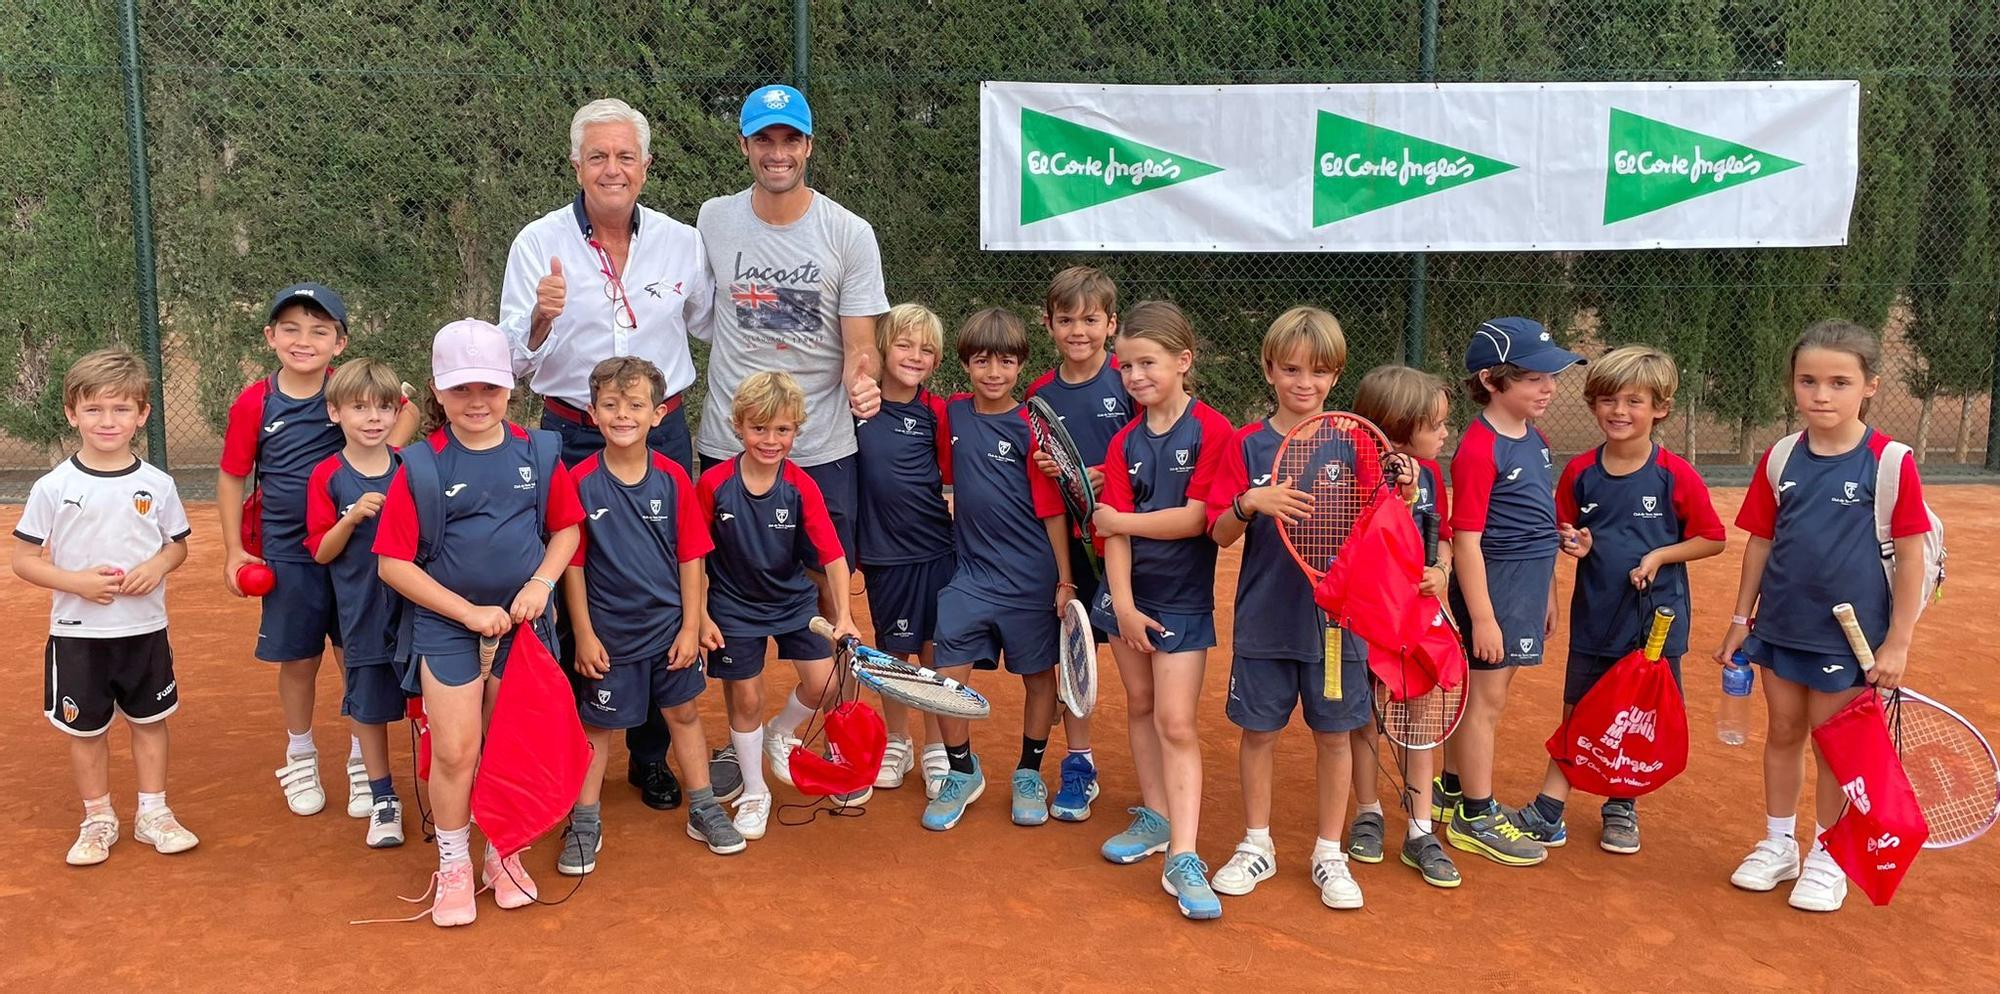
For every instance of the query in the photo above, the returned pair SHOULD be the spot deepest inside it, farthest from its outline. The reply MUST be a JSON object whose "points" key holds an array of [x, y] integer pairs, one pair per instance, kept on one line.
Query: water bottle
{"points": [[1732, 716]]}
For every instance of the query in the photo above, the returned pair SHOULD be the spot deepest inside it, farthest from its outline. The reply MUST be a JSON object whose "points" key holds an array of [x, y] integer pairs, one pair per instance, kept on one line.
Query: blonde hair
{"points": [[619, 372], [1630, 366], [113, 371], [1399, 400], [914, 320], [1079, 288], [1310, 328], [766, 397], [1160, 322], [363, 380]]}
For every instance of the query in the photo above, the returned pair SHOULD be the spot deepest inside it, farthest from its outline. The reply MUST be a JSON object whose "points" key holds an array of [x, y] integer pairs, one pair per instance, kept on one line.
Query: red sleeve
{"points": [[1117, 478], [239, 437], [1566, 508], [396, 526], [704, 491], [1759, 514], [1040, 381], [694, 540], [1216, 435], [1232, 478], [565, 507], [943, 440], [1472, 477], [320, 512], [819, 524], [1909, 517], [1691, 502], [582, 472], [1440, 500]]}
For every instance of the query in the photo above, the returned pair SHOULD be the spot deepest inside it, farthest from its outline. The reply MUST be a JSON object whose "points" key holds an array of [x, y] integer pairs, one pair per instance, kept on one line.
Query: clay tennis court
{"points": [[877, 903]]}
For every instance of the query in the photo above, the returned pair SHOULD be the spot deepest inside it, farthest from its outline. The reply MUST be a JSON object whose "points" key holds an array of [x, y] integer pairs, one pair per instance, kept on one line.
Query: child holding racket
{"points": [[508, 527], [770, 525], [1161, 475], [1813, 545], [636, 603], [903, 522], [1413, 409], [1012, 577], [1279, 640], [1503, 542], [1080, 312]]}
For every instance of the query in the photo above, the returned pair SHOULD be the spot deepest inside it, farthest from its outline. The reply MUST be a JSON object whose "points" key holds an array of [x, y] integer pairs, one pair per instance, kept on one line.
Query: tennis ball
{"points": [[255, 579]]}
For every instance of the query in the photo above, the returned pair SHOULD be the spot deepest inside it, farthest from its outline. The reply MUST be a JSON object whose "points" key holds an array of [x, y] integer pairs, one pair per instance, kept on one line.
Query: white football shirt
{"points": [[85, 519]]}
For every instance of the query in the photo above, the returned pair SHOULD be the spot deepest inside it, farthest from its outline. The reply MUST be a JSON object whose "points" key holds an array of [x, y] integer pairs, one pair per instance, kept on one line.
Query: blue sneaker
{"points": [[1079, 788], [1031, 798], [1145, 836], [958, 791], [1186, 879]]}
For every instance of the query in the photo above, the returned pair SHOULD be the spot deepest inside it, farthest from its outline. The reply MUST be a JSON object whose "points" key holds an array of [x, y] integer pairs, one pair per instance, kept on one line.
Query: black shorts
{"points": [[903, 600], [87, 681]]}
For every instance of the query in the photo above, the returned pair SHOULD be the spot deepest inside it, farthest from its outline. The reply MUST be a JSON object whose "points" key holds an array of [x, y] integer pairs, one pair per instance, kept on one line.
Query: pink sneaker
{"points": [[509, 879], [454, 905]]}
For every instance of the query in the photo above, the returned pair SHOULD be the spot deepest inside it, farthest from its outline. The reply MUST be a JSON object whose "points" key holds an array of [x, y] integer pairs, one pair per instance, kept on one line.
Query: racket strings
{"points": [[1951, 771], [1338, 461]]}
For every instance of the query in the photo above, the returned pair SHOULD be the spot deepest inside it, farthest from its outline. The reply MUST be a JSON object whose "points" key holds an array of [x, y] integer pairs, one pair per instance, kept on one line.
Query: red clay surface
{"points": [[877, 903]]}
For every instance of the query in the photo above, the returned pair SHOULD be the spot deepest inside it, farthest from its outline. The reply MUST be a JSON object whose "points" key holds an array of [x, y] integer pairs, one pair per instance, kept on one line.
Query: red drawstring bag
{"points": [[1370, 589], [414, 710], [1629, 734], [855, 739], [252, 528], [535, 755], [1882, 829]]}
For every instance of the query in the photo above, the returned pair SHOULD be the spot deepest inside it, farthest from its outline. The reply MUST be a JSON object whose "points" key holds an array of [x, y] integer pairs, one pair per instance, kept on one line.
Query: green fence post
{"points": [[142, 232], [1993, 411], [801, 43], [1413, 331]]}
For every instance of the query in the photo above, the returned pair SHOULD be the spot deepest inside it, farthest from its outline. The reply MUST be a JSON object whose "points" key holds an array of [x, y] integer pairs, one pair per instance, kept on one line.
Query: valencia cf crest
{"points": [[142, 501], [69, 711]]}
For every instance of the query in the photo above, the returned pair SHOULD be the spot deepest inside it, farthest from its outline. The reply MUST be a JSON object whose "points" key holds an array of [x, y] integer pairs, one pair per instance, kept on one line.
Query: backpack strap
{"points": [[421, 474], [1888, 489], [545, 448], [1774, 464]]}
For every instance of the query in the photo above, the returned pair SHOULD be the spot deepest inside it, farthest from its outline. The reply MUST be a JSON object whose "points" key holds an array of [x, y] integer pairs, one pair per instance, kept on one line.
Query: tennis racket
{"points": [[488, 645], [1073, 476], [900, 681], [1337, 459], [1427, 720], [1076, 683], [1950, 765]]}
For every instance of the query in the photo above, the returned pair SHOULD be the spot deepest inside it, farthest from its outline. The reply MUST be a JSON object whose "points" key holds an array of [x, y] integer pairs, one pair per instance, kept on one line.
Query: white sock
{"points": [[454, 845], [149, 803], [792, 715], [750, 756], [1819, 850], [98, 806], [1085, 753], [299, 744], [1419, 827], [1372, 808], [1780, 828], [353, 749], [1261, 838], [1326, 849]]}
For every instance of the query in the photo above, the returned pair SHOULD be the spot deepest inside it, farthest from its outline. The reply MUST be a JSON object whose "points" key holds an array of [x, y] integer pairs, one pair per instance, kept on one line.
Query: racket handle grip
{"points": [[488, 645], [1656, 637], [1430, 540], [1857, 640], [822, 628]]}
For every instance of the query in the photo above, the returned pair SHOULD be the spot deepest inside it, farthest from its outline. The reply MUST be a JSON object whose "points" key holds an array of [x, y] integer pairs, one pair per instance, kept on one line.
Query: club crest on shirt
{"points": [[1111, 404], [1848, 490], [782, 513], [1545, 458], [909, 424], [1180, 456], [142, 501], [1332, 472], [527, 474], [655, 505], [1651, 504], [1005, 447]]}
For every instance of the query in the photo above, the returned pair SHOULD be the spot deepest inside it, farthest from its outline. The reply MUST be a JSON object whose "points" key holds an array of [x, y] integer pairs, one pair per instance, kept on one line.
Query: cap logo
{"points": [[776, 99], [1502, 345], [1545, 336]]}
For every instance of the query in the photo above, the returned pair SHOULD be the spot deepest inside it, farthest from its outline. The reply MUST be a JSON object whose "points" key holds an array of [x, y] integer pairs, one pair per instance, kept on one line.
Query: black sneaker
{"points": [[725, 774], [1429, 858], [1621, 827], [656, 783], [1364, 837]]}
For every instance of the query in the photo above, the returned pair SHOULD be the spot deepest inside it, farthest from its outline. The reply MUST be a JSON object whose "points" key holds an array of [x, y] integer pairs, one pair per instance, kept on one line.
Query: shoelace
{"points": [[1034, 789], [385, 814], [952, 787], [1189, 870], [1075, 782], [101, 832], [1145, 822], [436, 880]]}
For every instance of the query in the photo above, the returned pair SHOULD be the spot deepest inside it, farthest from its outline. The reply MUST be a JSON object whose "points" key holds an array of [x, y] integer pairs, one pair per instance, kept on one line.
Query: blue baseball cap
{"points": [[1521, 341], [318, 293], [776, 104]]}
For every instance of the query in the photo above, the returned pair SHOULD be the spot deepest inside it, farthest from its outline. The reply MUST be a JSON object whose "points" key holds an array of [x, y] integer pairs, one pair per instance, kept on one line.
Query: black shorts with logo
{"points": [[86, 681]]}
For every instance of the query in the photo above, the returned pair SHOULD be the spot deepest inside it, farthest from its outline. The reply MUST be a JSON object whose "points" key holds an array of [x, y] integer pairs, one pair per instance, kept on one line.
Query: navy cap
{"points": [[776, 104], [1521, 341], [318, 293]]}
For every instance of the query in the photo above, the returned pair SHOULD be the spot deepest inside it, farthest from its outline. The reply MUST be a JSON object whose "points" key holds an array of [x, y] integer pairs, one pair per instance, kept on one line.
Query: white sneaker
{"points": [[360, 800], [1822, 886], [1771, 863], [300, 779], [163, 831], [937, 766], [1249, 866], [93, 841], [778, 752], [1337, 888], [385, 824], [753, 814], [896, 762]]}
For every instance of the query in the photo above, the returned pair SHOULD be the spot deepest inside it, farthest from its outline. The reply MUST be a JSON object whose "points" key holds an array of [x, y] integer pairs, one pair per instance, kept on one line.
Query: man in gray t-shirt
{"points": [[798, 285]]}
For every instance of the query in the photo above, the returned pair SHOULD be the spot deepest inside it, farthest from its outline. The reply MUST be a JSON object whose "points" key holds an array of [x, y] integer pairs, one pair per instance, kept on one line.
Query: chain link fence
{"points": [[393, 151]]}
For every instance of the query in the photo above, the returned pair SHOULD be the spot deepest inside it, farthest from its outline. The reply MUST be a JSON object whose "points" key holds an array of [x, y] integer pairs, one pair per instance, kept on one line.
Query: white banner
{"points": [[1416, 167]]}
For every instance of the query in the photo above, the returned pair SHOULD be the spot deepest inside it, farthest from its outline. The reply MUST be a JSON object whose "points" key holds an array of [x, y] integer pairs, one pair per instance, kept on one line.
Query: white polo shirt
{"points": [[85, 519], [666, 281]]}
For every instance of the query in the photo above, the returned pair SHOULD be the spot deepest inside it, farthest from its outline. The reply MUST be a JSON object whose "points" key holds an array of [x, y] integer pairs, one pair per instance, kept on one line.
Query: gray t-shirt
{"points": [[780, 292]]}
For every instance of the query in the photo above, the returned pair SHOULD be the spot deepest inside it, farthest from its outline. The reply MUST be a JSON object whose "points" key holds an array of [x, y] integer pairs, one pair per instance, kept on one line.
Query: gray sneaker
{"points": [[710, 824], [725, 774], [1621, 827], [1429, 858], [580, 847], [1364, 837], [1529, 819], [1491, 835]]}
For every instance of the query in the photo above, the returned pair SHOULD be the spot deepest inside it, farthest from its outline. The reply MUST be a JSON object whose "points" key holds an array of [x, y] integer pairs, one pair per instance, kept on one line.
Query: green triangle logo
{"points": [[1359, 167], [1653, 164], [1067, 167]]}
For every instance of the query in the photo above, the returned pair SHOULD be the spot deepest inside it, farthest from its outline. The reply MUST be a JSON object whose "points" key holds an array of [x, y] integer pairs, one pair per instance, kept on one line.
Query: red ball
{"points": [[255, 579]]}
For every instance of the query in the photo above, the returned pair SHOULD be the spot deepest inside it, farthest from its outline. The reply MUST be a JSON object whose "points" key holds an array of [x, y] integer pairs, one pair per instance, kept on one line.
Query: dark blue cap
{"points": [[318, 293], [776, 104], [1521, 341]]}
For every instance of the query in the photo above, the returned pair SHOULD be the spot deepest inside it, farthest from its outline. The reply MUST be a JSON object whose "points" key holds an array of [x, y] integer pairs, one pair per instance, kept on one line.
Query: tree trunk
{"points": [[1924, 429], [1965, 428], [1744, 454]]}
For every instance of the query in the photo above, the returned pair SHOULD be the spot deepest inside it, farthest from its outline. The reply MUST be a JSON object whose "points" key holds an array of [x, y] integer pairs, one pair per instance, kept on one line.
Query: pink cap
{"points": [[471, 351]]}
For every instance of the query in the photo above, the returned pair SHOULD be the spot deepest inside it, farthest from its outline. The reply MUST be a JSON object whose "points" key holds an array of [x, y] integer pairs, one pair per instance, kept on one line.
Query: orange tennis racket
{"points": [[1338, 459]]}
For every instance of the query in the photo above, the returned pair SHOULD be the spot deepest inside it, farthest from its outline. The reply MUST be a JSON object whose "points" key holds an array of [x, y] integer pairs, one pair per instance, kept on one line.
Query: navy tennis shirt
{"points": [[1091, 411], [1504, 489], [281, 439], [764, 543], [1662, 503], [902, 517], [635, 537], [1001, 498], [1149, 471], [366, 606]]}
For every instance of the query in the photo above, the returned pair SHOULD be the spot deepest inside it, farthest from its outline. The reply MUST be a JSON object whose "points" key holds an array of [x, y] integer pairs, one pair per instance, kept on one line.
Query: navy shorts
{"points": [[903, 600], [87, 681], [973, 631], [1519, 590], [458, 667], [627, 695], [1585, 669], [840, 484], [374, 693], [1184, 632], [742, 657], [1088, 583], [1825, 672], [1263, 691], [298, 614]]}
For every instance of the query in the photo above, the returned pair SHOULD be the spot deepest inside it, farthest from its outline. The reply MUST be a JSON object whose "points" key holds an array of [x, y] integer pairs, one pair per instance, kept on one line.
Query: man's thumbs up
{"points": [[550, 294]]}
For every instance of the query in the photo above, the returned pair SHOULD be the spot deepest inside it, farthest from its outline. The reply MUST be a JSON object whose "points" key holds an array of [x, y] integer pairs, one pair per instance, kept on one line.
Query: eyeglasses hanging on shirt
{"points": [[614, 288]]}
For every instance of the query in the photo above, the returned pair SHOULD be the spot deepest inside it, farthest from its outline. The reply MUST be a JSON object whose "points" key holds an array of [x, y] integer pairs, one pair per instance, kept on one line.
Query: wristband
{"points": [[540, 579], [1737, 619], [1236, 508], [1065, 583]]}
